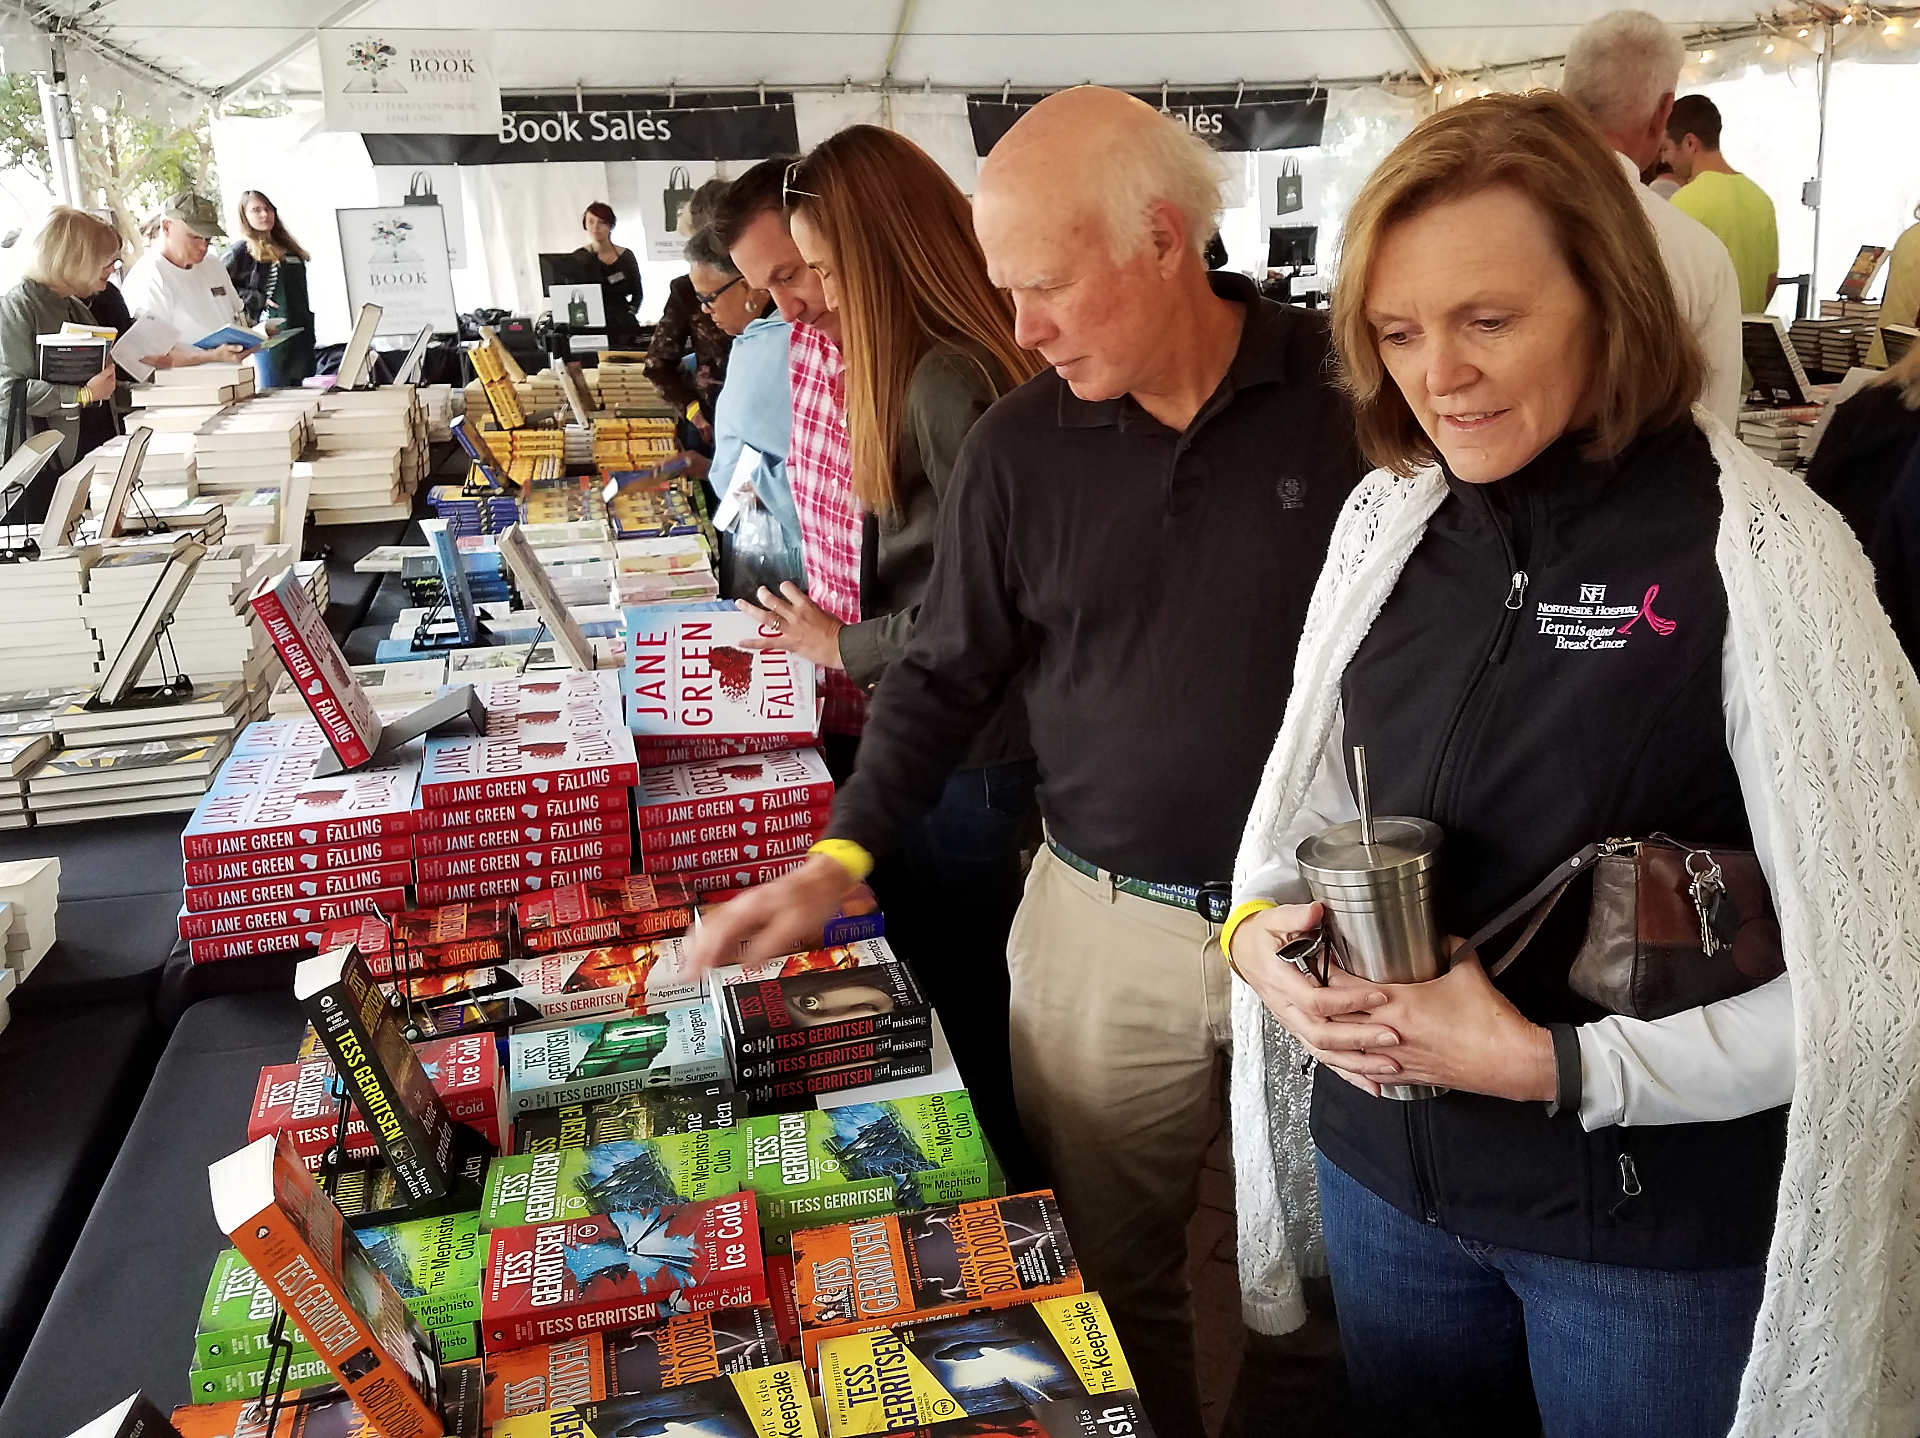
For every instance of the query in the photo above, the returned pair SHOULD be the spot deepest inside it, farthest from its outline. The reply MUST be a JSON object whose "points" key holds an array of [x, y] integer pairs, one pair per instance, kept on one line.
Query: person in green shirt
{"points": [[1723, 199], [1900, 301]]}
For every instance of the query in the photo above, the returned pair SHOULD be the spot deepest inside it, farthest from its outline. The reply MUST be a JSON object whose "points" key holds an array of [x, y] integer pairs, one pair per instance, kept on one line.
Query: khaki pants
{"points": [[1120, 1024]]}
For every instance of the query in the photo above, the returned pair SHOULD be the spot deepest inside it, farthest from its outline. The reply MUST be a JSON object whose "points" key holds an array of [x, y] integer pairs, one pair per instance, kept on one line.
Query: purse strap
{"points": [[1540, 899]]}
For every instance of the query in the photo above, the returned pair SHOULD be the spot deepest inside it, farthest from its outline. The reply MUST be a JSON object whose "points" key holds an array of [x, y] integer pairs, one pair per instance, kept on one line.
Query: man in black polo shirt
{"points": [[1132, 537]]}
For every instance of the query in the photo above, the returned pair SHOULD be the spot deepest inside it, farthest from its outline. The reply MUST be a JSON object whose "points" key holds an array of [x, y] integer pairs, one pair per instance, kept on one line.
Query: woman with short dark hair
{"points": [[617, 273], [1571, 610], [685, 328]]}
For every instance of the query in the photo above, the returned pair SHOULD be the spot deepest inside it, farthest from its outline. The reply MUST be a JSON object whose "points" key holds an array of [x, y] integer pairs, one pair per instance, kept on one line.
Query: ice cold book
{"points": [[552, 1280], [547, 736], [671, 1169], [692, 674]]}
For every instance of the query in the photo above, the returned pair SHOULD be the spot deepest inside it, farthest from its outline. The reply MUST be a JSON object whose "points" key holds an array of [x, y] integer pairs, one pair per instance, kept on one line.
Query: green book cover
{"points": [[630, 1116], [832, 1165], [242, 1380], [435, 1263], [623, 1175]]}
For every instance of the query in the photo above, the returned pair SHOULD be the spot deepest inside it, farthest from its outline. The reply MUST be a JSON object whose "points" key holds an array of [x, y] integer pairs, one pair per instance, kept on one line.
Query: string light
{"points": [[1847, 19], [1804, 32], [1767, 49]]}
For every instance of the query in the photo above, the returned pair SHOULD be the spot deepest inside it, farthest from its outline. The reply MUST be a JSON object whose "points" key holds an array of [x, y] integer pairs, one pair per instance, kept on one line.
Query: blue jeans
{"points": [[1444, 1335]]}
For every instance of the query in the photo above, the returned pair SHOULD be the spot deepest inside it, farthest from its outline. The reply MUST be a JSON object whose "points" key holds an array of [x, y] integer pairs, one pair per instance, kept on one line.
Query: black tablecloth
{"points": [[123, 1314]]}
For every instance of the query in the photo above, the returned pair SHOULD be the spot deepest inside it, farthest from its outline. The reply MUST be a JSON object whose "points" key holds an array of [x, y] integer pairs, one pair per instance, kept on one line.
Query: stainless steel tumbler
{"points": [[1375, 879]]}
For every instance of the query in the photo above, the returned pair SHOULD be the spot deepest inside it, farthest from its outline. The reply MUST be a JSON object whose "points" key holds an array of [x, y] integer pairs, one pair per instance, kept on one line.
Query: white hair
{"points": [[1170, 165], [1621, 65]]}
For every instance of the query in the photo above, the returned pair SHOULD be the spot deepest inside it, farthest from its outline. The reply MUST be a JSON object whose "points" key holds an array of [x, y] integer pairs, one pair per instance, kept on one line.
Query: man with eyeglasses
{"points": [[1130, 538], [750, 223]]}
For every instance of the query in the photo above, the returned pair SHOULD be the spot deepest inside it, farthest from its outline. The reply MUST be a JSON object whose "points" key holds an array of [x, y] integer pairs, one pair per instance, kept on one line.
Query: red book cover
{"points": [[603, 824], [568, 855], [533, 809], [253, 946], [732, 788], [686, 749], [550, 734], [297, 1099], [320, 672], [552, 1280], [611, 911], [709, 881], [507, 886], [691, 673], [268, 801], [454, 936], [723, 831], [325, 884], [747, 852], [240, 868], [296, 914]]}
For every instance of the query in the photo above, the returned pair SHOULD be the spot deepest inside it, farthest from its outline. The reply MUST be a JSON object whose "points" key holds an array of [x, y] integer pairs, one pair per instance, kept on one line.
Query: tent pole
{"points": [[1407, 42], [56, 115], [286, 52], [1820, 162]]}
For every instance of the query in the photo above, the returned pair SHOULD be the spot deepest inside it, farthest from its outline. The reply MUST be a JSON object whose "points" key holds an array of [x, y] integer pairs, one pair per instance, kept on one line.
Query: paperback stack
{"points": [[556, 749], [248, 448], [625, 386], [580, 574], [49, 642], [792, 1037], [1831, 346], [643, 503], [473, 514], [570, 499], [632, 443], [136, 776], [1778, 435], [440, 402], [350, 485], [1865, 312], [20, 754], [369, 452], [662, 571], [167, 470], [273, 854], [30, 893], [195, 385], [212, 635], [396, 689], [732, 822]]}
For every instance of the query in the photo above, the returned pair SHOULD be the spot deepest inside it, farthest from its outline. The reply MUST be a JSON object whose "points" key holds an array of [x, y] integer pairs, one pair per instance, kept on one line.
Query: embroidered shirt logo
{"points": [[1595, 624], [1292, 491]]}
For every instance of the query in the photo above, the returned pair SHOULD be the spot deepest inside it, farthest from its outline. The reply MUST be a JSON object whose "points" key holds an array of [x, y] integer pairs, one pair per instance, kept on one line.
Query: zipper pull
{"points": [[1517, 589]]}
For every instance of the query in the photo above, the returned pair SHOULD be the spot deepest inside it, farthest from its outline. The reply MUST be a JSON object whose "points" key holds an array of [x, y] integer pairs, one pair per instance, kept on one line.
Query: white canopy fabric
{"points": [[982, 44]]}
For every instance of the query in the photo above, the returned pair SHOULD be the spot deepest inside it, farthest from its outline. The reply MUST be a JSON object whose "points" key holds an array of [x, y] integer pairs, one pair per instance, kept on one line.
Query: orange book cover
{"points": [[298, 1243], [910, 1268]]}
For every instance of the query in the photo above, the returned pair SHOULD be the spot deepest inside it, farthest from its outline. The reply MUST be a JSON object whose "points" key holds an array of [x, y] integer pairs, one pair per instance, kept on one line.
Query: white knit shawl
{"points": [[1837, 707]]}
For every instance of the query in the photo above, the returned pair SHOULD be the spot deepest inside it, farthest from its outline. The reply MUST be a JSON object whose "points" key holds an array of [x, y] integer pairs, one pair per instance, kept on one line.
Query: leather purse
{"points": [[1671, 926]]}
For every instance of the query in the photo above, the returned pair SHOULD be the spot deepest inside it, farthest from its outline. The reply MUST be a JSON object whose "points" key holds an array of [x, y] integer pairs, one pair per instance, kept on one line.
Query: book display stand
{"points": [[410, 367], [463, 705], [16, 540], [152, 631], [456, 599], [356, 360]]}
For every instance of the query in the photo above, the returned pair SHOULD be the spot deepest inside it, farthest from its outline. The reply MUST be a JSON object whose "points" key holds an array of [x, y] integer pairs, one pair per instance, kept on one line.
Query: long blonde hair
{"points": [[911, 276], [267, 246]]}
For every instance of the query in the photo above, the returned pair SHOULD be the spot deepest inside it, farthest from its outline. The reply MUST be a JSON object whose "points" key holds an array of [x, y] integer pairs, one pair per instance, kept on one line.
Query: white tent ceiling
{"points": [[1033, 44]]}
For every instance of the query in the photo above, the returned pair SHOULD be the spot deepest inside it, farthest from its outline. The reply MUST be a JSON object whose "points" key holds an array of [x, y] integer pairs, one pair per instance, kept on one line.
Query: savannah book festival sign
{"points": [[409, 81]]}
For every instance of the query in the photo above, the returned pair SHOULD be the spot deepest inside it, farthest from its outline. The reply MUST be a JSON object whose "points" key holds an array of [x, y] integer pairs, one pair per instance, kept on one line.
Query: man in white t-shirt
{"points": [[179, 282], [1622, 69]]}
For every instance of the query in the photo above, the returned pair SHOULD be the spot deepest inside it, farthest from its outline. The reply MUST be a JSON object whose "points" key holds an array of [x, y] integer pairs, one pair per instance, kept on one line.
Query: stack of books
{"points": [[1778, 436], [1831, 346], [440, 403], [569, 499], [473, 514], [662, 571], [30, 894], [1862, 311], [273, 854], [644, 504], [20, 754], [105, 780], [632, 443], [581, 575], [49, 642], [556, 749], [247, 449], [397, 689], [167, 470], [689, 675], [195, 386], [623, 386], [735, 821], [368, 455], [793, 1037], [213, 636]]}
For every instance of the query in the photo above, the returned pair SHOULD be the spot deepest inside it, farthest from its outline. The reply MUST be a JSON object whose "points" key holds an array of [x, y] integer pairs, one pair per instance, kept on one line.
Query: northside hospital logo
{"points": [[1594, 624]]}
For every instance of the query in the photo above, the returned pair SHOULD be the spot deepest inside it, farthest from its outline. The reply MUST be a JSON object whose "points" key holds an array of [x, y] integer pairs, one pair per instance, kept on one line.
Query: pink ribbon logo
{"points": [[1654, 621]]}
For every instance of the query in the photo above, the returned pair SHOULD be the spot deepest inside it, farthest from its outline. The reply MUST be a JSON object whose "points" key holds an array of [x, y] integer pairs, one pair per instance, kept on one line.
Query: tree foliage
{"points": [[129, 163]]}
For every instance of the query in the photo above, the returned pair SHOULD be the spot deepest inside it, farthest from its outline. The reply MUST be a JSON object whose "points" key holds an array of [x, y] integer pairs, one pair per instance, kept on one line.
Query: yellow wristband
{"points": [[1242, 911], [848, 855]]}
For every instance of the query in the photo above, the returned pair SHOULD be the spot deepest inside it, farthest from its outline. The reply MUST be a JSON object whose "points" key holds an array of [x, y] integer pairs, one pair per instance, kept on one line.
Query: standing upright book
{"points": [[694, 674], [547, 735], [284, 1224], [320, 672], [136, 1417], [381, 1071]]}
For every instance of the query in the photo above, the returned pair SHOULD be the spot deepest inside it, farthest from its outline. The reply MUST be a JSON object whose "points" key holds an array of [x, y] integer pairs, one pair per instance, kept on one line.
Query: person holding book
{"points": [[1724, 200], [1622, 69], [754, 413], [618, 271], [72, 259], [1570, 607], [178, 283], [269, 268], [929, 345], [685, 328], [1126, 543]]}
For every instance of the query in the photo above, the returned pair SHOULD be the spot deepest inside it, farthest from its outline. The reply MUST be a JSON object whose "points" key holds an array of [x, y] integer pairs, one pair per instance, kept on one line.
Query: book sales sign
{"points": [[434, 82]]}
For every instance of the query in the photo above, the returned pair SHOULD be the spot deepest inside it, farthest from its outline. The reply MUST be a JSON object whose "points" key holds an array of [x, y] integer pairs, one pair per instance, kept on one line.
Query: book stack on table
{"points": [[368, 455], [195, 386], [213, 635], [49, 644], [168, 472], [30, 901], [397, 689]]}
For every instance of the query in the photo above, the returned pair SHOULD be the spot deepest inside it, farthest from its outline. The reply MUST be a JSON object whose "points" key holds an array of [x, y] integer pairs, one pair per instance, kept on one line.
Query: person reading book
{"points": [[1127, 542], [177, 283], [269, 268]]}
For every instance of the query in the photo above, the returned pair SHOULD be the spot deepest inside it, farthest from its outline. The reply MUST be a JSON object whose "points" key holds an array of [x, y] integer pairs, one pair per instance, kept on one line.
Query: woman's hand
{"points": [[697, 463], [1459, 1031], [1334, 1023], [805, 628], [100, 388]]}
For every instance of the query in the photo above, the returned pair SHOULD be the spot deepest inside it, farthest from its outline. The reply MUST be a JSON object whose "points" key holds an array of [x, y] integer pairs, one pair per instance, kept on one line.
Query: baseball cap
{"points": [[196, 212]]}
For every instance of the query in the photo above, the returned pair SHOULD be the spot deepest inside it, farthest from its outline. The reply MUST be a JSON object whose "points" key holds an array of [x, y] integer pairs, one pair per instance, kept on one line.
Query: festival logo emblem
{"points": [[370, 56]]}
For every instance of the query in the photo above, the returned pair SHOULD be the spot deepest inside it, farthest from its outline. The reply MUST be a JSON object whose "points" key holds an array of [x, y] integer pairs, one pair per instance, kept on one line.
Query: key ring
{"points": [[1308, 954]]}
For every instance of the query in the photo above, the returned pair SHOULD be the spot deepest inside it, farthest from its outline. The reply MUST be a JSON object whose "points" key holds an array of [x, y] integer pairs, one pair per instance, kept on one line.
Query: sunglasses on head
{"points": [[788, 189]]}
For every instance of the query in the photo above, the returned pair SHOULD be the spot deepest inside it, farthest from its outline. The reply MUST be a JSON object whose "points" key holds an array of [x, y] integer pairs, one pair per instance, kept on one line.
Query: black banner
{"points": [[1256, 120], [533, 128]]}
